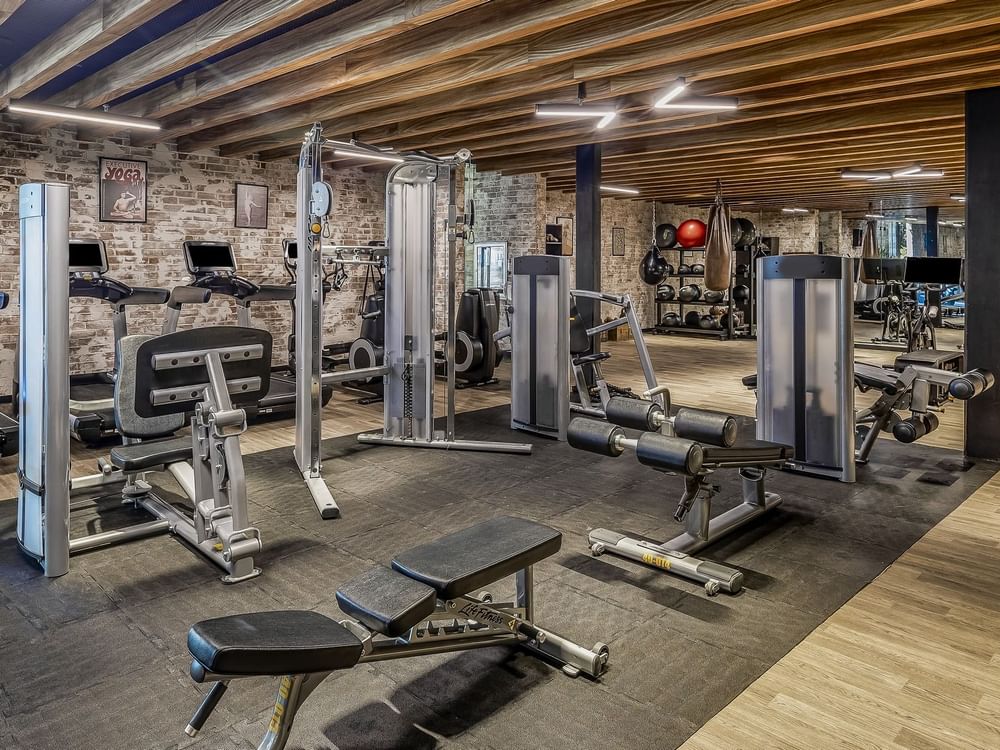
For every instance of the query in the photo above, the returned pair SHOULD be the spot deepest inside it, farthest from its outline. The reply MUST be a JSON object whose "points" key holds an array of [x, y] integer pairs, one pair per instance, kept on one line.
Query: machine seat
{"points": [[273, 643], [386, 601], [461, 562], [588, 358], [148, 455], [746, 453]]}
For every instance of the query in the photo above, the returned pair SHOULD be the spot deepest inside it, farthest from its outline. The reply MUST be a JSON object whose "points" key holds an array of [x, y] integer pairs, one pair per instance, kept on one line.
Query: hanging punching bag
{"points": [[654, 267], [718, 248]]}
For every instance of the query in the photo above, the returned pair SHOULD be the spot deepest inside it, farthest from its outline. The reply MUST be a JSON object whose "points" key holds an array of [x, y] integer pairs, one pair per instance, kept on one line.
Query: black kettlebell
{"points": [[736, 230], [689, 293], [671, 319], [698, 268], [742, 270], [707, 322], [683, 269], [668, 268], [693, 319], [666, 236], [665, 292], [741, 293], [714, 297], [653, 267]]}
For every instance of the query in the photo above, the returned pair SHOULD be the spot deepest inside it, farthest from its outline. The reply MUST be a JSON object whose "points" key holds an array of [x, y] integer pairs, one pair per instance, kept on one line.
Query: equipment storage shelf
{"points": [[729, 330]]}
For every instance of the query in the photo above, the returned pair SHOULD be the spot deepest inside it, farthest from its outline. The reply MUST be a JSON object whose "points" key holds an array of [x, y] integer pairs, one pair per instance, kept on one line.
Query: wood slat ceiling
{"points": [[822, 85]]}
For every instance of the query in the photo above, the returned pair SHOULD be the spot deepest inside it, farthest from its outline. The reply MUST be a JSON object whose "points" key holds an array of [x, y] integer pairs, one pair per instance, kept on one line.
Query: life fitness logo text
{"points": [[482, 614]]}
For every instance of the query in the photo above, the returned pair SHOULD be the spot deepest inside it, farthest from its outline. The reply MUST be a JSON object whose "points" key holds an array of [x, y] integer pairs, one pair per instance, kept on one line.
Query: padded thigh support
{"points": [[385, 601], [462, 562], [706, 426], [635, 413], [595, 436], [669, 453]]}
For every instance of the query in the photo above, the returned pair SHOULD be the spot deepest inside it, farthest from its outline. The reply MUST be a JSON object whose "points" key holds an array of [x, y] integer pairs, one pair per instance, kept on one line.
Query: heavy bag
{"points": [[718, 249], [869, 249], [653, 268]]}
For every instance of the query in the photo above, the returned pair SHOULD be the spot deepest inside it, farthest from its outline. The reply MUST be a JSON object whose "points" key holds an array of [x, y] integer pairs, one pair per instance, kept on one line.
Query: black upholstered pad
{"points": [[746, 453], [459, 563], [588, 358], [750, 381], [143, 456], [386, 601], [273, 643], [873, 376]]}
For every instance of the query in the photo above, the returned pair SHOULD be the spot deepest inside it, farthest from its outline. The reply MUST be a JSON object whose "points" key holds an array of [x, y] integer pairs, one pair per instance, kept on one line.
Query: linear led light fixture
{"points": [[795, 210], [676, 89], [603, 113], [865, 174], [353, 151], [98, 117], [928, 173], [700, 103], [908, 171], [874, 216], [960, 197], [622, 190]]}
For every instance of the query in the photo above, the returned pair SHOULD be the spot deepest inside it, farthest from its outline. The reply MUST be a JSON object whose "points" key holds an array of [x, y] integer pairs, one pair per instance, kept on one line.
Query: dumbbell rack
{"points": [[684, 330]]}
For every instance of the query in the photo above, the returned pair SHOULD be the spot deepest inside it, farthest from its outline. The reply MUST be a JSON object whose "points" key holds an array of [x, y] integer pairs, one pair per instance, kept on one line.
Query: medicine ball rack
{"points": [[728, 332]]}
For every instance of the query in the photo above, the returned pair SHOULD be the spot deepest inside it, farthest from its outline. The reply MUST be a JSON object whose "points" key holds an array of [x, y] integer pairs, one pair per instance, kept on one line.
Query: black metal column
{"points": [[588, 231], [931, 235], [982, 272]]}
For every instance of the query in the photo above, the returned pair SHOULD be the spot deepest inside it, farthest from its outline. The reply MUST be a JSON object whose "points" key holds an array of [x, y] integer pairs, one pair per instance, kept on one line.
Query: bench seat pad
{"points": [[386, 601], [466, 560], [273, 643], [746, 453], [150, 454]]}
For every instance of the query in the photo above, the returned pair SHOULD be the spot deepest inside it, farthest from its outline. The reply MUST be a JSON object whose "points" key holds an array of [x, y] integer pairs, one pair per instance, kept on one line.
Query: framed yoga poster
{"points": [[251, 206], [122, 190], [618, 241]]}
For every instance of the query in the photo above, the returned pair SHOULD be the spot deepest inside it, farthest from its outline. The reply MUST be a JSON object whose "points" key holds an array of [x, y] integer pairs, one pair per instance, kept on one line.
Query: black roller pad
{"points": [[462, 562]]}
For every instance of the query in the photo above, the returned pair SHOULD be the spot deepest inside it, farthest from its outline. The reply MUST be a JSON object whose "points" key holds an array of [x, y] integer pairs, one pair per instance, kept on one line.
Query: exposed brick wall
{"points": [[190, 196]]}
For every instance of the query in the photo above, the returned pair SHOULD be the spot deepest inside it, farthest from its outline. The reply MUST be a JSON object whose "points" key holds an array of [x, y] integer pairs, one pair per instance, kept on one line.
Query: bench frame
{"points": [[458, 624]]}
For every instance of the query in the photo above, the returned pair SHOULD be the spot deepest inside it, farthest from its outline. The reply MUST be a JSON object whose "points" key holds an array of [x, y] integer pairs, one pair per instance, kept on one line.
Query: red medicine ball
{"points": [[691, 233]]}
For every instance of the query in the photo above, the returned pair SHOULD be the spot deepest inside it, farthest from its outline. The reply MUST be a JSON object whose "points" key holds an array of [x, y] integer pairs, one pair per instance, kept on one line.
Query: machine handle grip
{"points": [[188, 295]]}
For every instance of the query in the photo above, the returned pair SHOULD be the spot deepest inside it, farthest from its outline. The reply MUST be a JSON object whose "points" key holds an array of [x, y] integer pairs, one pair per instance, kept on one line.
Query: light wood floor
{"points": [[912, 661]]}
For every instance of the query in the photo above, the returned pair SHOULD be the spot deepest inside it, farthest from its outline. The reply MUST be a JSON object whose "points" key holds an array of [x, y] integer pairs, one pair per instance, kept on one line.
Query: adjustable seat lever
{"points": [[205, 709]]}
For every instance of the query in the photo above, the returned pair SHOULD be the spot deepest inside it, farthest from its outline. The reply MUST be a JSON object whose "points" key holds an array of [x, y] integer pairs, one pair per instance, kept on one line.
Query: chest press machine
{"points": [[159, 380], [409, 359], [694, 443], [423, 604]]}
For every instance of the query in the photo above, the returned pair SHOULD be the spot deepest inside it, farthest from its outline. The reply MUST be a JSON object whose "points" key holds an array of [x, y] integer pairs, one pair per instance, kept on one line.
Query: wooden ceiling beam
{"points": [[221, 28], [346, 30], [465, 33], [7, 8], [91, 30], [534, 57]]}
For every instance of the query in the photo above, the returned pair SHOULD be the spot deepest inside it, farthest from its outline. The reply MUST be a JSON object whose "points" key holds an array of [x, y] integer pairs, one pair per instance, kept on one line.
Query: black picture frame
{"points": [[618, 242], [250, 205], [123, 190]]}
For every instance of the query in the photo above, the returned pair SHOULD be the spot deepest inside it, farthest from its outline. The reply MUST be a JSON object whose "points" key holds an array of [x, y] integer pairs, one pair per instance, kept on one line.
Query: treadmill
{"points": [[8, 425], [212, 265], [92, 395]]}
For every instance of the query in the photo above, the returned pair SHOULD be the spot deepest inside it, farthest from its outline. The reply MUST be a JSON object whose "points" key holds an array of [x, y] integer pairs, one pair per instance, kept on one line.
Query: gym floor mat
{"points": [[97, 658]]}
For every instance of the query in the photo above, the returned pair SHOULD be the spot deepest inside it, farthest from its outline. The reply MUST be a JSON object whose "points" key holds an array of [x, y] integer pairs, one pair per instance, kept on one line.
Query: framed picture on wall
{"points": [[122, 190], [251, 206], [566, 222], [618, 241]]}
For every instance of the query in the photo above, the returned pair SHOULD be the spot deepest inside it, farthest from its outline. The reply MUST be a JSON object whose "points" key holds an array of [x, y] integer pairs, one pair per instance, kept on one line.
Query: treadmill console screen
{"points": [[934, 270], [87, 256], [205, 257]]}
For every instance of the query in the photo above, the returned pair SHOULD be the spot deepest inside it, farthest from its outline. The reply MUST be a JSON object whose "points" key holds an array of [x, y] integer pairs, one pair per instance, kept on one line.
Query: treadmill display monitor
{"points": [[934, 270], [206, 257], [87, 256]]}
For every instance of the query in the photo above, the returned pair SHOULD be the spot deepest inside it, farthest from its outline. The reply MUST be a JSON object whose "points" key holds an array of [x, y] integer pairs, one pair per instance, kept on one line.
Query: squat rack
{"points": [[408, 260]]}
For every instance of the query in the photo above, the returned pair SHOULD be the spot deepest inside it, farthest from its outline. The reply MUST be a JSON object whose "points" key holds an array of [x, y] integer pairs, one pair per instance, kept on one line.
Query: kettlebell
{"points": [[683, 269], [665, 292], [742, 270], [698, 268], [707, 322], [693, 319], [689, 293], [666, 236], [741, 293], [671, 319], [714, 297]]}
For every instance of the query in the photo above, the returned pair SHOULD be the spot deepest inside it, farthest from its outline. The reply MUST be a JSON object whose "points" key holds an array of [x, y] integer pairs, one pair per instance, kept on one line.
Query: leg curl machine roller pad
{"points": [[422, 605]]}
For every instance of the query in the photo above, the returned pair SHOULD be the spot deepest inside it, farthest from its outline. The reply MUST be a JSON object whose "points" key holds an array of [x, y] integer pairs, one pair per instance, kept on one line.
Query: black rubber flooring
{"points": [[97, 658]]}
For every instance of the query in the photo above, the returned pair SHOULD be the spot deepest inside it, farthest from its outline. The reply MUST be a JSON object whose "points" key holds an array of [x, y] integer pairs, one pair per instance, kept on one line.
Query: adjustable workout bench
{"points": [[422, 605], [694, 443]]}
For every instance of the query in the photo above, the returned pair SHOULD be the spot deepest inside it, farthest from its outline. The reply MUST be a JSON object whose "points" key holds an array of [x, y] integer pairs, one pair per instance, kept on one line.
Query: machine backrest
{"points": [[161, 378], [579, 341]]}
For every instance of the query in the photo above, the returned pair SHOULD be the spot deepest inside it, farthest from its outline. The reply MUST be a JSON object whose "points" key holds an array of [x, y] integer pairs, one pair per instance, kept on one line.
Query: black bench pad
{"points": [[273, 643], [746, 453], [148, 455], [459, 563], [386, 602], [873, 376]]}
